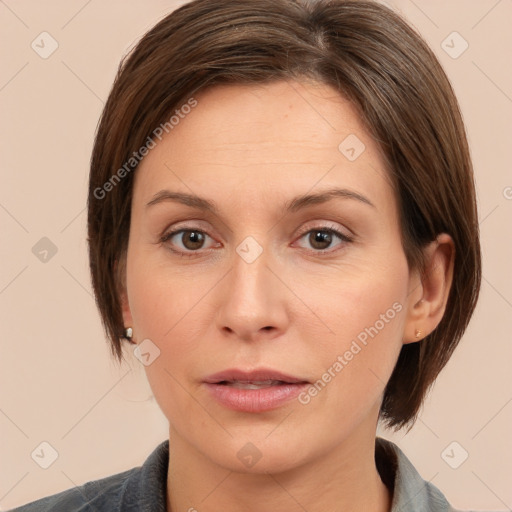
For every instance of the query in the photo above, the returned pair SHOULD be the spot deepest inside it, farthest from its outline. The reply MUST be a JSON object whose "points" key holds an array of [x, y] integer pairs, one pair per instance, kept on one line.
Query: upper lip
{"points": [[258, 375]]}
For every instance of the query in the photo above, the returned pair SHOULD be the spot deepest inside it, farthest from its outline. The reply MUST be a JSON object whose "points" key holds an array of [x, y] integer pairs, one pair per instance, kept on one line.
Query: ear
{"points": [[428, 293], [120, 272]]}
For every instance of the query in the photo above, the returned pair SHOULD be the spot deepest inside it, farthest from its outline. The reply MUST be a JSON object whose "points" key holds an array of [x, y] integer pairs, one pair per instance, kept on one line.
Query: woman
{"points": [[282, 221]]}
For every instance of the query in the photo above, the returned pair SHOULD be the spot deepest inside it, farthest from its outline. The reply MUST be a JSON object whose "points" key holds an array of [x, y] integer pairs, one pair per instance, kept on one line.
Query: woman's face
{"points": [[310, 295]]}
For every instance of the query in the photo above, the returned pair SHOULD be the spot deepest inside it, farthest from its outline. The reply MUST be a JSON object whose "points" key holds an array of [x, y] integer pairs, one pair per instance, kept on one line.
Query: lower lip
{"points": [[255, 400]]}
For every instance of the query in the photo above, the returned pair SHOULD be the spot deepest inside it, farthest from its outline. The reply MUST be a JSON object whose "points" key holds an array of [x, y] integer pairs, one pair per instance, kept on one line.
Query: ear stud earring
{"points": [[417, 333], [128, 333]]}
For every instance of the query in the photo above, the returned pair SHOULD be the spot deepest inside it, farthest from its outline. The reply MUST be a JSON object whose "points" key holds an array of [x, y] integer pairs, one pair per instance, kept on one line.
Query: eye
{"points": [[191, 240], [322, 237]]}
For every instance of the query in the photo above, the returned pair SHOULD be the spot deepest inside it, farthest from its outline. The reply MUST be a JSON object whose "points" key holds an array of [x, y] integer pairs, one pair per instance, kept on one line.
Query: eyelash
{"points": [[323, 229]]}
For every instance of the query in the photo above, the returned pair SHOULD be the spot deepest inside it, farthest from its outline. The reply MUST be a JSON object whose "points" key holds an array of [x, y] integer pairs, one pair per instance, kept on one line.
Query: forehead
{"points": [[262, 139]]}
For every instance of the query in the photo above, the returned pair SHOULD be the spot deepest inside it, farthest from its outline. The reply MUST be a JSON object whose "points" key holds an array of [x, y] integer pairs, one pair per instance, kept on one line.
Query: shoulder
{"points": [[410, 491], [95, 496], [138, 489]]}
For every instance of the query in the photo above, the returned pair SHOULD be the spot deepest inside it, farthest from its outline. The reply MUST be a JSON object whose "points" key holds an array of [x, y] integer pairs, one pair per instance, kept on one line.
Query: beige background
{"points": [[58, 383]]}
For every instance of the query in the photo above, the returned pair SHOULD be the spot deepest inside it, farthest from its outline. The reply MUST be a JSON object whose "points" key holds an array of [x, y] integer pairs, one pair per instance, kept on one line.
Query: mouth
{"points": [[240, 384], [253, 391], [261, 378]]}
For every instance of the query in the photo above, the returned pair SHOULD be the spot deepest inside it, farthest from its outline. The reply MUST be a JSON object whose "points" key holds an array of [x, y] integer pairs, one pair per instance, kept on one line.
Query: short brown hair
{"points": [[375, 60]]}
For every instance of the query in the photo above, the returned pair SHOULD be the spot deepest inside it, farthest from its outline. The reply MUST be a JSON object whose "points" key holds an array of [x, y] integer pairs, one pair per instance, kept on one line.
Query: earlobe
{"points": [[415, 328], [426, 312]]}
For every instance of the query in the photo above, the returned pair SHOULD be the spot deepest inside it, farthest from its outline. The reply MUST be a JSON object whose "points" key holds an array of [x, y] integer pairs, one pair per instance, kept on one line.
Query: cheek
{"points": [[162, 306], [160, 297], [353, 301], [364, 315], [168, 309]]}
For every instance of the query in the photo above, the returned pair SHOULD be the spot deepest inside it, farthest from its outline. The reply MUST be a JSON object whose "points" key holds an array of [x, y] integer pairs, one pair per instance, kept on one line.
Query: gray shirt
{"points": [[143, 489]]}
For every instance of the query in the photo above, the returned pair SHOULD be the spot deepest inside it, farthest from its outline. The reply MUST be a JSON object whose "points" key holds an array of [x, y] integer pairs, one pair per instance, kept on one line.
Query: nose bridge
{"points": [[252, 299], [250, 271]]}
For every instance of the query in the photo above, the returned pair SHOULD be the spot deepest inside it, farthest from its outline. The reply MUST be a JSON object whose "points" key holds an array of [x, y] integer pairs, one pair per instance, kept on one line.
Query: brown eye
{"points": [[321, 239], [186, 240]]}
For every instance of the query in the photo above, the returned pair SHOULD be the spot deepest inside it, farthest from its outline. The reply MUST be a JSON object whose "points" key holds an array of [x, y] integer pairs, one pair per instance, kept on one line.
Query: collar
{"points": [[410, 491]]}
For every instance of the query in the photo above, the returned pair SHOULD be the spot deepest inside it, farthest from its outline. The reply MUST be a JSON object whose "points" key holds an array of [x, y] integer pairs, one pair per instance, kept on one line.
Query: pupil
{"points": [[195, 239], [321, 237]]}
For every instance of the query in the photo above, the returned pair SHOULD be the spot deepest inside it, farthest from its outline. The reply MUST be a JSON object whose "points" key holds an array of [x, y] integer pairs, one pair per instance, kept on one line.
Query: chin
{"points": [[254, 454]]}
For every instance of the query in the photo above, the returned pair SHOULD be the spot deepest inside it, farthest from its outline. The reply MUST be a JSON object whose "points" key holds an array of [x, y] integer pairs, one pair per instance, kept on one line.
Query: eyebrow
{"points": [[296, 204]]}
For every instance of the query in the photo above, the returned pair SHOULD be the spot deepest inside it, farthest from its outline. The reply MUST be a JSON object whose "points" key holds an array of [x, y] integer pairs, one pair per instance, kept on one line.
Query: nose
{"points": [[252, 301]]}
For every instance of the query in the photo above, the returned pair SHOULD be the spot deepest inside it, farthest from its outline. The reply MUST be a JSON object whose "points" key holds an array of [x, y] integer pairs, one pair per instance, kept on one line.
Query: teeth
{"points": [[253, 384]]}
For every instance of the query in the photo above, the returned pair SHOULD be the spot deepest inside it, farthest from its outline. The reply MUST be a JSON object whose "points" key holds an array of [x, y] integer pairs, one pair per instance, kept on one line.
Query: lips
{"points": [[253, 391], [252, 384], [264, 377]]}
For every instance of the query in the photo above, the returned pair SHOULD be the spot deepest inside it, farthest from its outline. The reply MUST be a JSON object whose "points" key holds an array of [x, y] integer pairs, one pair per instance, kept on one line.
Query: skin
{"points": [[250, 149]]}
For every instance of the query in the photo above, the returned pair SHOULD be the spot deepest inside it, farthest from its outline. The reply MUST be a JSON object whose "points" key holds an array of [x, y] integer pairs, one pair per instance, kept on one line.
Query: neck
{"points": [[344, 479]]}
